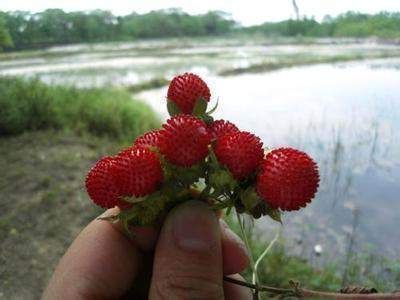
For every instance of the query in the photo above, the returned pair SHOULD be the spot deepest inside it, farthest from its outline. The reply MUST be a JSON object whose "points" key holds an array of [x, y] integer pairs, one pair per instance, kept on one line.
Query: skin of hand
{"points": [[192, 252]]}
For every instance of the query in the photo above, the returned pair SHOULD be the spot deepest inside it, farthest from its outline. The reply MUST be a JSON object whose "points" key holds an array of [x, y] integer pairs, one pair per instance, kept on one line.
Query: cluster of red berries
{"points": [[190, 148]]}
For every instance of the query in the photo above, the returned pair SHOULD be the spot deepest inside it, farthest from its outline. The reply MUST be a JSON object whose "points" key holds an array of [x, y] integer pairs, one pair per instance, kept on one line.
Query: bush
{"points": [[28, 105]]}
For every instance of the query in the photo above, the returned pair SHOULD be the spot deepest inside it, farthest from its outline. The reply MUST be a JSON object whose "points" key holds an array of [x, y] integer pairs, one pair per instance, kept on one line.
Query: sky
{"points": [[247, 12]]}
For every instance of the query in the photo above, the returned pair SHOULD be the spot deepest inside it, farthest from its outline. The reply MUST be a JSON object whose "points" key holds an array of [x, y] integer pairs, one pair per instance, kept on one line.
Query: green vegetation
{"points": [[24, 30], [365, 268], [305, 60], [5, 38], [54, 26], [27, 105], [350, 24], [148, 85], [49, 138]]}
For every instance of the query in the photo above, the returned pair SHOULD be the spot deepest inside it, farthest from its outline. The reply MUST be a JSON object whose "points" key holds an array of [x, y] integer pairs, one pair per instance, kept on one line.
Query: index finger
{"points": [[101, 263]]}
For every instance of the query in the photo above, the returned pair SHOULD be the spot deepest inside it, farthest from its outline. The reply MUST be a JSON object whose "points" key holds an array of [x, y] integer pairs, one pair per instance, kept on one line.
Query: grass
{"points": [[366, 268], [303, 60], [43, 204], [29, 105], [148, 85], [49, 138]]}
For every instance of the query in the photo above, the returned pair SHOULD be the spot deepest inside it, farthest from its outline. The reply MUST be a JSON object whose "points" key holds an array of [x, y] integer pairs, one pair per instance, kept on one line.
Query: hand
{"points": [[192, 253]]}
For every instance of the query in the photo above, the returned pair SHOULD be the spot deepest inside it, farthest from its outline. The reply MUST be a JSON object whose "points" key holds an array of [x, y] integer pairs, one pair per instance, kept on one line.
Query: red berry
{"points": [[101, 185], [184, 140], [240, 152], [186, 89], [288, 179], [149, 139], [138, 171], [221, 127]]}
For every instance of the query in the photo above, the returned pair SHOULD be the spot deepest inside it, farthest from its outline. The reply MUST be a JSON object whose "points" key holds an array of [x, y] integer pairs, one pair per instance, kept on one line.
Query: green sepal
{"points": [[212, 159], [144, 213], [172, 108], [132, 199], [207, 119], [183, 175], [200, 107], [275, 214], [222, 179], [249, 198], [191, 175], [213, 109]]}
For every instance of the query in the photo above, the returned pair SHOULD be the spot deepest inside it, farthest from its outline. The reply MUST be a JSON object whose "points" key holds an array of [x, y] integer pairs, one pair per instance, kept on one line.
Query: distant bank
{"points": [[26, 30]]}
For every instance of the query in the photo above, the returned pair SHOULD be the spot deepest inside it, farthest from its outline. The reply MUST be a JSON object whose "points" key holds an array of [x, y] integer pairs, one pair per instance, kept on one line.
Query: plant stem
{"points": [[261, 257], [299, 292], [259, 288], [247, 244]]}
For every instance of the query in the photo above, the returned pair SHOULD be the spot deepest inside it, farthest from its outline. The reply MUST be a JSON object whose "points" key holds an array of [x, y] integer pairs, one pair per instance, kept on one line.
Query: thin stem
{"points": [[247, 244], [300, 292], [259, 288], [261, 257]]}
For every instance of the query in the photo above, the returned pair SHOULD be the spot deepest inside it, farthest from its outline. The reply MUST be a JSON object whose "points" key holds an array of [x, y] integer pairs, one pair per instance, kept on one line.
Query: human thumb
{"points": [[188, 258]]}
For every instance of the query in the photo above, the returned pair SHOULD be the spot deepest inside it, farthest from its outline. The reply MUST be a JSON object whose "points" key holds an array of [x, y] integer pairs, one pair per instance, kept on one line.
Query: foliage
{"points": [[148, 85], [173, 22], [5, 38], [54, 26], [349, 24], [384, 24], [27, 105]]}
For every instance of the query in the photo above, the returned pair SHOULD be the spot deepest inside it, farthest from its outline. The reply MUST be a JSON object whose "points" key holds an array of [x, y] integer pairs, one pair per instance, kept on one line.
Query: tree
{"points": [[5, 38]]}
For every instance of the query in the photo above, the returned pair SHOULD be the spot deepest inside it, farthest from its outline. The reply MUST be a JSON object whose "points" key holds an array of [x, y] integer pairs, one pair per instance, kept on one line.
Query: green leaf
{"points": [[275, 214], [132, 199], [249, 198], [222, 180], [213, 109], [172, 108], [190, 175], [207, 119], [145, 213], [213, 161], [183, 175], [200, 107]]}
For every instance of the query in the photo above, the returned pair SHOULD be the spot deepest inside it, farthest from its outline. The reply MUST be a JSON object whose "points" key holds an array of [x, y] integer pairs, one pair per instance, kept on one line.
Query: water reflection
{"points": [[114, 63]]}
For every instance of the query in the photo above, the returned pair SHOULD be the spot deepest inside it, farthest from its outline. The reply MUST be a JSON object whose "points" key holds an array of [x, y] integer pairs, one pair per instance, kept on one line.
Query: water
{"points": [[346, 115]]}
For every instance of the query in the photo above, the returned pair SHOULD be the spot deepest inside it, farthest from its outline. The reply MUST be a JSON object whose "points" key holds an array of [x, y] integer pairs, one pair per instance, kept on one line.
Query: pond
{"points": [[346, 115]]}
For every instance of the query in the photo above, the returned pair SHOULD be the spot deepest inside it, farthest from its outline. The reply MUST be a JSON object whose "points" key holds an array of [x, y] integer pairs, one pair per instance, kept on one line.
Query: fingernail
{"points": [[195, 227], [109, 213]]}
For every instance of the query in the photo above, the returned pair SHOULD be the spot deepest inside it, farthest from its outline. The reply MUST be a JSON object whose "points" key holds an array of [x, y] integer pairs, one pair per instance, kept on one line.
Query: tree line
{"points": [[54, 26], [22, 30], [349, 24]]}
